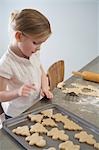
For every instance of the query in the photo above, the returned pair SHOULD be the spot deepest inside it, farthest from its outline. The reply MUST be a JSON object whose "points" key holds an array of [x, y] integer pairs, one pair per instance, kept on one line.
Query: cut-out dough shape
{"points": [[68, 145], [36, 118], [22, 130], [39, 128], [35, 139], [47, 113], [55, 133], [84, 137]]}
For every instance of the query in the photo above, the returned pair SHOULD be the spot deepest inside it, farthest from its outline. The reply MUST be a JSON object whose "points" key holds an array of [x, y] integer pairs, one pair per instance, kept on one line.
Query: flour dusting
{"points": [[89, 100]]}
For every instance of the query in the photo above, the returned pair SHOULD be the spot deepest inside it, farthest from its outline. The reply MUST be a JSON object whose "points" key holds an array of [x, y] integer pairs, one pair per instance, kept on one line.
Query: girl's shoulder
{"points": [[5, 58], [5, 66]]}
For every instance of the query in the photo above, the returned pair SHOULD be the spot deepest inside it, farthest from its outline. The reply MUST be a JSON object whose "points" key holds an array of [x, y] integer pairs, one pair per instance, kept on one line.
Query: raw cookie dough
{"points": [[84, 137], [47, 113], [71, 125], [79, 89], [60, 85], [36, 118], [59, 117], [22, 130], [49, 122], [39, 128], [68, 145], [55, 133], [36, 139], [96, 145], [51, 148]]}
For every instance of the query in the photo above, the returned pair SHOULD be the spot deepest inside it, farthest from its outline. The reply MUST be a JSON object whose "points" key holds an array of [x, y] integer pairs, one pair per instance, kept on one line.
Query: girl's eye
{"points": [[34, 43]]}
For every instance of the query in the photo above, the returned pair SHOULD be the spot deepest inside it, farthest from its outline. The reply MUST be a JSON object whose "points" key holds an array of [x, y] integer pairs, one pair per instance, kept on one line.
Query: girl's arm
{"points": [[44, 80], [5, 95], [44, 85]]}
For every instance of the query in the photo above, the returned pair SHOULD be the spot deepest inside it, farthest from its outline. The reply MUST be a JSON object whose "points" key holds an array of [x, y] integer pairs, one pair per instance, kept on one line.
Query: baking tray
{"points": [[21, 120]]}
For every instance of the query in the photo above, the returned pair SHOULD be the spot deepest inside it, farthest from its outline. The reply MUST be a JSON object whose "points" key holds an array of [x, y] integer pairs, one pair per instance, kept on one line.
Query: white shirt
{"points": [[23, 71]]}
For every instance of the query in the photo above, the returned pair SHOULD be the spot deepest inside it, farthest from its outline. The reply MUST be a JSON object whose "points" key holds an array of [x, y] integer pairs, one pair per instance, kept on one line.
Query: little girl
{"points": [[22, 78]]}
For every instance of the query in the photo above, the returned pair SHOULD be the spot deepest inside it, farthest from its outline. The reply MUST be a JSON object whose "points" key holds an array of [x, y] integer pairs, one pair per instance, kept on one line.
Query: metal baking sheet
{"points": [[21, 120]]}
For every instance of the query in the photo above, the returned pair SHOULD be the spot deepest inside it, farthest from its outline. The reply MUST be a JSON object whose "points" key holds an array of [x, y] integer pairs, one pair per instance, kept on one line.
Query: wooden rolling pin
{"points": [[87, 75]]}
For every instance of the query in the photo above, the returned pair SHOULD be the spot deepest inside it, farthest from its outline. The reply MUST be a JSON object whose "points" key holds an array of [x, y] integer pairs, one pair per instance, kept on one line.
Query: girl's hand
{"points": [[25, 89], [47, 93]]}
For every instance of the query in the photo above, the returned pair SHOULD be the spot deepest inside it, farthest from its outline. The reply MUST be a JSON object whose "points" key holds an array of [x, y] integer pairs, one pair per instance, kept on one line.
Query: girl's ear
{"points": [[18, 36]]}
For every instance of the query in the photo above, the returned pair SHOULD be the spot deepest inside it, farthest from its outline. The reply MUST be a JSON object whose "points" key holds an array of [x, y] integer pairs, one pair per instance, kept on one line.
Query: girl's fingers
{"points": [[48, 94], [25, 90], [25, 93], [30, 86], [42, 94]]}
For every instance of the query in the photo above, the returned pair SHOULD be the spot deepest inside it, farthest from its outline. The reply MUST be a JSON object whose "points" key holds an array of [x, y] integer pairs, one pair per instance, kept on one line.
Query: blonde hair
{"points": [[31, 22]]}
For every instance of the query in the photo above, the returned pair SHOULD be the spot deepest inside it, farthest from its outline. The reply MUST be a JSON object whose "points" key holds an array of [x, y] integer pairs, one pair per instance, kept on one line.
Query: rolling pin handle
{"points": [[77, 73]]}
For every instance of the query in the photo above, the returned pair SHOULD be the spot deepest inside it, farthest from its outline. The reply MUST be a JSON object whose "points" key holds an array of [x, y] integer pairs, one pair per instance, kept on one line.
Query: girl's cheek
{"points": [[27, 48]]}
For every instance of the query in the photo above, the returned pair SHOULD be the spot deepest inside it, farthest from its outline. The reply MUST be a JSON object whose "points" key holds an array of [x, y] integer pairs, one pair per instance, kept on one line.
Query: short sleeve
{"points": [[5, 68]]}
